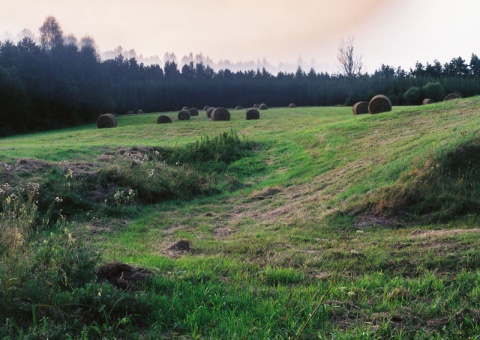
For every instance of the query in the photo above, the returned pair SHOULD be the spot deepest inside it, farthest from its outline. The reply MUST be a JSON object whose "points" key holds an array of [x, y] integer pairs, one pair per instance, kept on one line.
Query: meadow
{"points": [[310, 222]]}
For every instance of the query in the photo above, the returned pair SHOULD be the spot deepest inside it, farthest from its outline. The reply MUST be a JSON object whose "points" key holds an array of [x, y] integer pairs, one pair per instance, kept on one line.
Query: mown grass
{"points": [[321, 203]]}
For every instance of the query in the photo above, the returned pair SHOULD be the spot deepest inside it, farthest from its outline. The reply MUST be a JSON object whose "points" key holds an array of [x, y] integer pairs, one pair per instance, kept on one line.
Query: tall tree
{"points": [[51, 34], [350, 63]]}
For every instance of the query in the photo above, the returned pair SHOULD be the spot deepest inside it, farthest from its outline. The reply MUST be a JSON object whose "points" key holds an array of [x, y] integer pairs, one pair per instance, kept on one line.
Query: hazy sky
{"points": [[392, 32]]}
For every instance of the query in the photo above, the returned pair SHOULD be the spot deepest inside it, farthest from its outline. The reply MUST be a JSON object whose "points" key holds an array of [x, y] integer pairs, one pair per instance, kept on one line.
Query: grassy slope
{"points": [[264, 256]]}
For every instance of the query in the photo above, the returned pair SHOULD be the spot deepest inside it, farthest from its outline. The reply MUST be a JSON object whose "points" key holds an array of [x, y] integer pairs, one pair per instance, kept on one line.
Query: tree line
{"points": [[62, 82]]}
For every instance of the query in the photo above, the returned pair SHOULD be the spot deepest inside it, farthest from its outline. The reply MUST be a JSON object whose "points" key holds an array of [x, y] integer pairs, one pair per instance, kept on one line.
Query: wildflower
{"points": [[58, 200]]}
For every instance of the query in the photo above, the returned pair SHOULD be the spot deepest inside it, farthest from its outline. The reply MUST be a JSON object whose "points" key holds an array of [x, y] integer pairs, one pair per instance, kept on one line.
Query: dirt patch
{"points": [[80, 168], [31, 166], [182, 246], [439, 233], [264, 194], [222, 232], [371, 220], [179, 248], [122, 275], [107, 226]]}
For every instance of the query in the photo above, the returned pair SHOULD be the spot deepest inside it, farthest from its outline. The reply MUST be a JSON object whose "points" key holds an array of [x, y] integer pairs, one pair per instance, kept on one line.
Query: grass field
{"points": [[323, 225]]}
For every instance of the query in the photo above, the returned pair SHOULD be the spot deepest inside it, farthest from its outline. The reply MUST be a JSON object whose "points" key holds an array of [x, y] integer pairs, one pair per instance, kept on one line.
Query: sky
{"points": [[283, 32]]}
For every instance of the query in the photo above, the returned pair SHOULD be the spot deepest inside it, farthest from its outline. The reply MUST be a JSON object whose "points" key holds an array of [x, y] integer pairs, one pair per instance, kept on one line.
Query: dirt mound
{"points": [[122, 275], [182, 245]]}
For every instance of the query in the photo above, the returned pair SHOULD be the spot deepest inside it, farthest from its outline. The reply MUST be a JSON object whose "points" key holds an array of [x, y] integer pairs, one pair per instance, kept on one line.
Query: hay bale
{"points": [[379, 104], [263, 106], [292, 105], [205, 108], [256, 106], [193, 111], [163, 119], [238, 107], [220, 114], [139, 112], [253, 114], [451, 96], [209, 111], [185, 108], [183, 115], [427, 101], [360, 108], [130, 112], [106, 121]]}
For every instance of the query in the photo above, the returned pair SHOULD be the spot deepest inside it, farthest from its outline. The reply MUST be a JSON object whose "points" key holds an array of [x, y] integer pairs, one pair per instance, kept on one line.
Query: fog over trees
{"points": [[59, 80]]}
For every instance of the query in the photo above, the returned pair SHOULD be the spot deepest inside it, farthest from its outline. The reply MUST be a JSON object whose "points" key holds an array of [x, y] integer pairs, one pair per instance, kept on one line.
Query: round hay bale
{"points": [[360, 108], [163, 119], [451, 96], [427, 101], [220, 114], [106, 121], [379, 104], [193, 111], [292, 106], [184, 115], [256, 106], [139, 112], [209, 111], [185, 108], [205, 108], [130, 112], [263, 106], [253, 114], [238, 107]]}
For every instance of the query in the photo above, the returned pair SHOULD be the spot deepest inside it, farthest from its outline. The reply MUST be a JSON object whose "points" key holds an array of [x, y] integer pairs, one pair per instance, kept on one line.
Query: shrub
{"points": [[413, 96], [433, 91]]}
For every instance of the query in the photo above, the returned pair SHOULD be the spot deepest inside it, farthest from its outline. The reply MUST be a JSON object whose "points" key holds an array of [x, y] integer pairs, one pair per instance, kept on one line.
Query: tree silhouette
{"points": [[350, 64], [51, 34]]}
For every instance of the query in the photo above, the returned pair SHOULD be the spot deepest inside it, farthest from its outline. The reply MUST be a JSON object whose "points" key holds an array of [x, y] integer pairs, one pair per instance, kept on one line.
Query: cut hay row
{"points": [[106, 120], [360, 108]]}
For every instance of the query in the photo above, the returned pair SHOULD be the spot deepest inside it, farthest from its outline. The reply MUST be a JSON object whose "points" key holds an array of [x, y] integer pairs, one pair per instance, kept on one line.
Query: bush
{"points": [[413, 96], [433, 91]]}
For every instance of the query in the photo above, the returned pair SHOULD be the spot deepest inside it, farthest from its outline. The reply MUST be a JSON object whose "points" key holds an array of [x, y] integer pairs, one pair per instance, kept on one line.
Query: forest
{"points": [[61, 82]]}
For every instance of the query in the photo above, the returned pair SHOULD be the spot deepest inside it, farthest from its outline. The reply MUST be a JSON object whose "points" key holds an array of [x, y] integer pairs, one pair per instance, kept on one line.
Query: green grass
{"points": [[318, 192]]}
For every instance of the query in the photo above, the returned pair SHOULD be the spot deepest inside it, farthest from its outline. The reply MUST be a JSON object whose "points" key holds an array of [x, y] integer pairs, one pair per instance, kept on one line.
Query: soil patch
{"points": [[122, 275]]}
